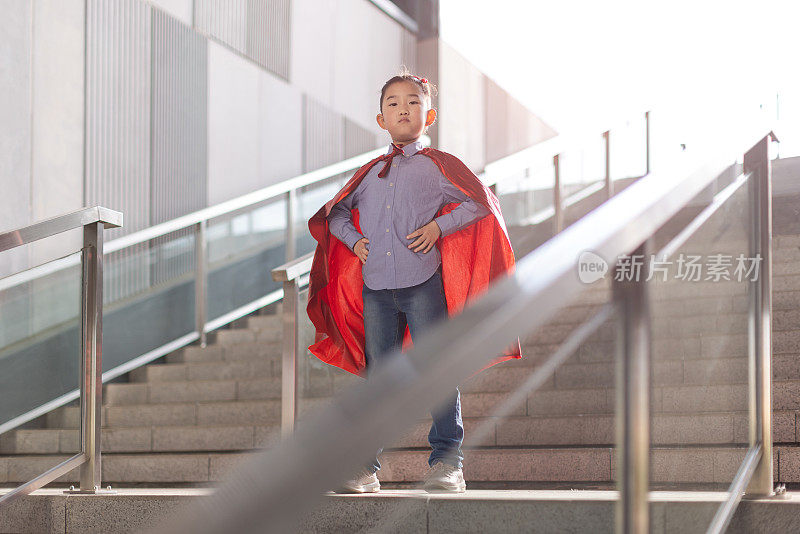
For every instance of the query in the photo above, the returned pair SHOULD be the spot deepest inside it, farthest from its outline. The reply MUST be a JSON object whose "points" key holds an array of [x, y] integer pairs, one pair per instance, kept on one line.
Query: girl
{"points": [[412, 220]]}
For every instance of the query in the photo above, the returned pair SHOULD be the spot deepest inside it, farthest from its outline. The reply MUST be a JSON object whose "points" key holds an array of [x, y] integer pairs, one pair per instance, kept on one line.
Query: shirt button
{"points": [[387, 229], [389, 253], [394, 164], [391, 184], [388, 207]]}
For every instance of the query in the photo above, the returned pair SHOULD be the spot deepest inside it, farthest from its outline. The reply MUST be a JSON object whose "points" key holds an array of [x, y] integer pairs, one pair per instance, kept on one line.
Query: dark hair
{"points": [[428, 89]]}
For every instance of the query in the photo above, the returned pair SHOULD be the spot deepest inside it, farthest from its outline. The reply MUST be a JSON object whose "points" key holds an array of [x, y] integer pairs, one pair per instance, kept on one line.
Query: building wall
{"points": [[158, 108], [15, 118], [462, 108]]}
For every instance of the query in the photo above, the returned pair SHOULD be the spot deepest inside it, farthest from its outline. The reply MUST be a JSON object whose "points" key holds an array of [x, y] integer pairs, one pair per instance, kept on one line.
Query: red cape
{"points": [[471, 259]]}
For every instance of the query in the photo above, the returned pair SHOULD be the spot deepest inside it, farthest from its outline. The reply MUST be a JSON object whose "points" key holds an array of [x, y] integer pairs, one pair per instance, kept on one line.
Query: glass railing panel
{"points": [[317, 381], [40, 333], [309, 200], [149, 288], [242, 250], [582, 166], [527, 193], [699, 416], [628, 146]]}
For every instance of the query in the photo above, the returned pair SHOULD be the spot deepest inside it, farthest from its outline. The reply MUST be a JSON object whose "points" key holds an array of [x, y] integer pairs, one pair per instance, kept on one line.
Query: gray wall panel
{"points": [[179, 128], [324, 135], [367, 52], [269, 34], [233, 125], [408, 48], [280, 130], [428, 66], [118, 82], [15, 126], [510, 126], [183, 10], [58, 118], [496, 126], [179, 182], [118, 78], [225, 20], [462, 119], [358, 140], [312, 45], [258, 29]]}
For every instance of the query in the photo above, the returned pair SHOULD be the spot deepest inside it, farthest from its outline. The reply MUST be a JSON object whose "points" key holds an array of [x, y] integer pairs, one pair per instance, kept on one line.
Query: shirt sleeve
{"points": [[466, 213], [340, 222]]}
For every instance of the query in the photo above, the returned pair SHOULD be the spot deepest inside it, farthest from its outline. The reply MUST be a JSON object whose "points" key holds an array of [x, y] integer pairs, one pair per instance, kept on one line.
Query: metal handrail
{"points": [[93, 221], [543, 281], [57, 225]]}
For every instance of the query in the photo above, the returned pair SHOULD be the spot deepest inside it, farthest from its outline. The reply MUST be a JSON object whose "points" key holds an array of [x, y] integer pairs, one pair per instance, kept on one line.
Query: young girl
{"points": [[427, 236]]}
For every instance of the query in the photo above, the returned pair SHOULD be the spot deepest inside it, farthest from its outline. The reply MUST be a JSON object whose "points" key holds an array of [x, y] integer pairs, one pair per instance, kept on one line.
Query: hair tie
{"points": [[421, 80]]}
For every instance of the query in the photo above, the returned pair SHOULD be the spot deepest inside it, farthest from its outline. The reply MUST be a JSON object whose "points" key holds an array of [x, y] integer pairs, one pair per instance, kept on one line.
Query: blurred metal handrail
{"points": [[93, 221], [542, 282]]}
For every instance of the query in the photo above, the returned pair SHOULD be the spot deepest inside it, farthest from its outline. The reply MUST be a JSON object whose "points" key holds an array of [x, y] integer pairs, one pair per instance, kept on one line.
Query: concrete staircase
{"points": [[188, 419]]}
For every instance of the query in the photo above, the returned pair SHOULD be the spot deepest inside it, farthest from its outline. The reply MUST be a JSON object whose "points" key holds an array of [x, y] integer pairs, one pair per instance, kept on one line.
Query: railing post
{"points": [[289, 358], [609, 188], [200, 281], [558, 208], [633, 403], [757, 162], [647, 141], [91, 354], [291, 237]]}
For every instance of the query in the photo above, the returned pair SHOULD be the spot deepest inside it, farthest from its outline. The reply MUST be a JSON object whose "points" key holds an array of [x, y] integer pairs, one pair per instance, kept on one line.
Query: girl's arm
{"points": [[340, 222], [467, 212]]}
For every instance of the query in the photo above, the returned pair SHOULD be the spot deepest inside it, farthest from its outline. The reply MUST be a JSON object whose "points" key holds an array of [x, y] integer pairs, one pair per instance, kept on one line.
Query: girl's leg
{"points": [[425, 306], [384, 325]]}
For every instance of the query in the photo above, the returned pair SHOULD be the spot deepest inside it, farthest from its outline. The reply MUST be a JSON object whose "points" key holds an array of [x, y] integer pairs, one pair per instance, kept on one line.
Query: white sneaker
{"points": [[364, 482], [443, 477]]}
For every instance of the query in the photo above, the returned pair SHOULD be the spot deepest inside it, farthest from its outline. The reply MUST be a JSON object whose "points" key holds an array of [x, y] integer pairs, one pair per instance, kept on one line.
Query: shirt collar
{"points": [[409, 149]]}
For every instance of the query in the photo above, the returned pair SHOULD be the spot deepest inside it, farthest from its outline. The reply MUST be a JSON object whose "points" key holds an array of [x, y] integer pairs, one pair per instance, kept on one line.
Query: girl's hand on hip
{"points": [[361, 250], [426, 237]]}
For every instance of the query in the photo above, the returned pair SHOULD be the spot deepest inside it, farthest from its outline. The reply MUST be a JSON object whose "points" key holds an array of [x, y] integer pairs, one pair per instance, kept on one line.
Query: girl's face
{"points": [[405, 112]]}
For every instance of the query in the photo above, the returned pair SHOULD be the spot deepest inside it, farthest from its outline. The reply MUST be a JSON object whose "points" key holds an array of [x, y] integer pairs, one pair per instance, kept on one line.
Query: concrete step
{"points": [[192, 391], [598, 429], [705, 347], [786, 300], [530, 431], [263, 323], [580, 383], [234, 336], [585, 464], [143, 439], [410, 511], [226, 370], [519, 430], [251, 350]]}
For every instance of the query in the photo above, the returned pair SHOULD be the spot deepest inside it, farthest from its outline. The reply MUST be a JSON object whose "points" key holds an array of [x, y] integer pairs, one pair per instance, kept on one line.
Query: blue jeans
{"points": [[386, 314]]}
